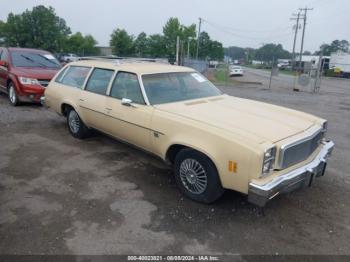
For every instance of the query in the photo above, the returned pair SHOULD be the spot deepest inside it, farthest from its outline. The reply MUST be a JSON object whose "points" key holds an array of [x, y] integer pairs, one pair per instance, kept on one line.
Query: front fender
{"points": [[220, 146]]}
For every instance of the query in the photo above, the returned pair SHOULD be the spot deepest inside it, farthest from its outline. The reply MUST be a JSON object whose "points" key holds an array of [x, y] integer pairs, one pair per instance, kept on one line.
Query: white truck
{"points": [[340, 62]]}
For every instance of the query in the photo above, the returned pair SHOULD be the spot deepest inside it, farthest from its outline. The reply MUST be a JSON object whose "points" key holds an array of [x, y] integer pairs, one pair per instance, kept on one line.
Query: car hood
{"points": [[261, 121], [35, 72]]}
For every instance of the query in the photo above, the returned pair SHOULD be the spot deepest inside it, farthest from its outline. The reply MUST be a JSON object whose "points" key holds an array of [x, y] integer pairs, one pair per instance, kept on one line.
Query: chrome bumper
{"points": [[297, 178]]}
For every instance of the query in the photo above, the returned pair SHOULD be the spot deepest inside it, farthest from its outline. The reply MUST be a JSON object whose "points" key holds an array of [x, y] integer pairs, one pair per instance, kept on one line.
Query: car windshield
{"points": [[173, 87], [33, 59]]}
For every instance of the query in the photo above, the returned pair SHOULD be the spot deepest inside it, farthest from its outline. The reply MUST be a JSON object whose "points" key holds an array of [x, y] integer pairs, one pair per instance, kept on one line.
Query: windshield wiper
{"points": [[47, 59], [33, 61]]}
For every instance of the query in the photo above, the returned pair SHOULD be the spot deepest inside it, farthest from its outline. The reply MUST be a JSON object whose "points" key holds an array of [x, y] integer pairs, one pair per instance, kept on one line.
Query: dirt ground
{"points": [[60, 195]]}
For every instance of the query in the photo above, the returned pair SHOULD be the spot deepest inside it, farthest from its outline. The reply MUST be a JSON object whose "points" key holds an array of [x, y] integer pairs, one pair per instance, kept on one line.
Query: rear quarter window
{"points": [[74, 76]]}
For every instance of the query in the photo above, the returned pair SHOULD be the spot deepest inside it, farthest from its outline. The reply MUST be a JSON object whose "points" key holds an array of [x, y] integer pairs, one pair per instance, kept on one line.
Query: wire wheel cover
{"points": [[193, 176]]}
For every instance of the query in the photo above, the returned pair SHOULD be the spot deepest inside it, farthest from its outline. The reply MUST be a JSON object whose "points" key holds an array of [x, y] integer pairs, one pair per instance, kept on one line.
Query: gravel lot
{"points": [[59, 195]]}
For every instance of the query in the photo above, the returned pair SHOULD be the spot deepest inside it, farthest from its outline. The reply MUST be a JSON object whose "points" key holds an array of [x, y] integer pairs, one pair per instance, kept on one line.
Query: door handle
{"points": [[109, 109], [81, 99]]}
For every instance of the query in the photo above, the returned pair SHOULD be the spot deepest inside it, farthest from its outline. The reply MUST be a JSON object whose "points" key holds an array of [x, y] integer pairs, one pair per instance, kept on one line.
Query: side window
{"points": [[126, 85], [99, 81], [75, 76], [59, 77]]}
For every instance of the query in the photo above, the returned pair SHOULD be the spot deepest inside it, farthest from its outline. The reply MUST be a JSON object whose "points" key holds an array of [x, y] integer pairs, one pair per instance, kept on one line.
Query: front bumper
{"points": [[297, 178], [42, 100]]}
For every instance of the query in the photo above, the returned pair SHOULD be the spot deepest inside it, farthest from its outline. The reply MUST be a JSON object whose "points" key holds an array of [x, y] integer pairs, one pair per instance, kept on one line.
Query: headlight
{"points": [[269, 161], [28, 81]]}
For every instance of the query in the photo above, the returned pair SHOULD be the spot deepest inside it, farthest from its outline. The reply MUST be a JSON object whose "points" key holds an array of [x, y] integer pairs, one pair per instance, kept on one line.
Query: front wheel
{"points": [[196, 176], [75, 125], [12, 94]]}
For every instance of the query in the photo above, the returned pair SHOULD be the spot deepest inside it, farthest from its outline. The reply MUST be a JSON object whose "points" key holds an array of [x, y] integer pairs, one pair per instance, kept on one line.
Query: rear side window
{"points": [[99, 81], [75, 76], [61, 75], [126, 85]]}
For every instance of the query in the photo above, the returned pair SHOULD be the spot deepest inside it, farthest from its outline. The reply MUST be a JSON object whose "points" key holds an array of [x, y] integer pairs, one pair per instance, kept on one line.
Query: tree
{"points": [[122, 43], [156, 46], [38, 28], [336, 45], [235, 52], [81, 45], [306, 53], [172, 30], [141, 45], [270, 52], [209, 49], [2, 33]]}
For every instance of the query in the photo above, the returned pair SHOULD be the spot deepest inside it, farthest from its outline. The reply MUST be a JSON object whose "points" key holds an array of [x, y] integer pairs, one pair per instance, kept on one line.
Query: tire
{"points": [[75, 125], [196, 176], [12, 95]]}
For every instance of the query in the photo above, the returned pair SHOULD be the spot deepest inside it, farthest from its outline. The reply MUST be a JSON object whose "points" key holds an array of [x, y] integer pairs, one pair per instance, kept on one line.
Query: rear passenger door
{"points": [[130, 123], [92, 99]]}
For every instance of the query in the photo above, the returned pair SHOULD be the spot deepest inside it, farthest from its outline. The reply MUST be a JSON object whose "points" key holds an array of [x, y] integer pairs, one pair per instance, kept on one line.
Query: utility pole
{"points": [[177, 50], [295, 37], [302, 38], [199, 33]]}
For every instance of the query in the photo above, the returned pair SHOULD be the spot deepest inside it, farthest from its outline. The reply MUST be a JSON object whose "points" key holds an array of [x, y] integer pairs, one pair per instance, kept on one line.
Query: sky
{"points": [[245, 23]]}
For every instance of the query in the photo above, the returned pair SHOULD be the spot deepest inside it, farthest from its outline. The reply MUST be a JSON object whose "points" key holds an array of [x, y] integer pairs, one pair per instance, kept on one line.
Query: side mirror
{"points": [[126, 102], [3, 63]]}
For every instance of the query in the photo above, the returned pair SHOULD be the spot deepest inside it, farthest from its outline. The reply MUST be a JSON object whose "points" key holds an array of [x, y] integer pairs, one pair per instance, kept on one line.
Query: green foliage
{"points": [[156, 46], [266, 53], [81, 45], [336, 45], [235, 52], [38, 28], [2, 33], [172, 30], [209, 49], [122, 43], [41, 28], [270, 52], [141, 45]]}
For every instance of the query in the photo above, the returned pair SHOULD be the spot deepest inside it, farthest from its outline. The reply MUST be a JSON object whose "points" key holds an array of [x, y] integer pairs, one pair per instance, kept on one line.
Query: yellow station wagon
{"points": [[214, 141]]}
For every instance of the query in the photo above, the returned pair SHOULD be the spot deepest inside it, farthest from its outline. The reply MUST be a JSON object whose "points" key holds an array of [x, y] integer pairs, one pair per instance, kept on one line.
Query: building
{"points": [[105, 50]]}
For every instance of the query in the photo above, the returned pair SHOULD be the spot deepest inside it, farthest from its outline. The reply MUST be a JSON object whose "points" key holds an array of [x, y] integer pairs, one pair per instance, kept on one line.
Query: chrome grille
{"points": [[298, 151]]}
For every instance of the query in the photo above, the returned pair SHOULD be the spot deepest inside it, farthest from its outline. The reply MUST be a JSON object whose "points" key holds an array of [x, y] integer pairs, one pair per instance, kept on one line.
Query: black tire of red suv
{"points": [[12, 94], [76, 126], [208, 188]]}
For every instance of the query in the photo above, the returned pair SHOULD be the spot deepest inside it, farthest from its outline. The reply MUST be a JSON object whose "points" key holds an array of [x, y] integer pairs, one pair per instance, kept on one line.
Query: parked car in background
{"points": [[214, 141], [67, 58], [25, 73], [236, 70]]}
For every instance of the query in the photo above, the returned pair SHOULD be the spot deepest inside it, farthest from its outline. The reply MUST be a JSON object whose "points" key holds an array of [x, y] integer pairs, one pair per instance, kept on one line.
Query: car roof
{"points": [[134, 67], [27, 50]]}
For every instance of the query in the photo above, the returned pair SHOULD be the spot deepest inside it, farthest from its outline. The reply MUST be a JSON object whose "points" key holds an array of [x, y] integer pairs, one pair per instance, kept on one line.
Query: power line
{"points": [[248, 30], [223, 29]]}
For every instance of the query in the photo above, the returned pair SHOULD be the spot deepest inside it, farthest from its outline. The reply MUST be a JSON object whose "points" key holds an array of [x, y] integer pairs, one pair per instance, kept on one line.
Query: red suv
{"points": [[24, 73]]}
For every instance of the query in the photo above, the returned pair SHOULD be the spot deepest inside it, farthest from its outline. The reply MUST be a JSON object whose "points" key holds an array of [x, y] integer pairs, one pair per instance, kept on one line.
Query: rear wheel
{"points": [[12, 95], [75, 125], [197, 177]]}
